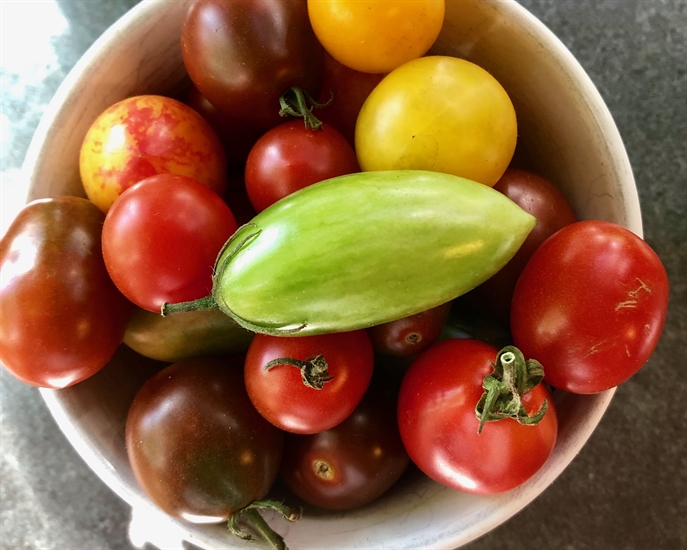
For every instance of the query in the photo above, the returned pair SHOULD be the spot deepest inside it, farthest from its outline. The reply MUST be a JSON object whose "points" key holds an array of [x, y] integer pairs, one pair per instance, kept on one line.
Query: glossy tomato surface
{"points": [[590, 306], [373, 36], [439, 427], [161, 239], [438, 113], [536, 196], [62, 317], [291, 156], [141, 136], [243, 55], [410, 335], [352, 463], [281, 396], [197, 446]]}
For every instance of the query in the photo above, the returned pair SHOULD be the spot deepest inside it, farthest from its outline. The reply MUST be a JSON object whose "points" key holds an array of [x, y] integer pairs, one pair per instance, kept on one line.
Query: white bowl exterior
{"points": [[563, 119]]}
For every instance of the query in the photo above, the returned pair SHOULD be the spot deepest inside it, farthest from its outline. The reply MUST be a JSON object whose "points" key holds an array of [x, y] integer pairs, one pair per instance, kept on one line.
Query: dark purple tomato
{"points": [[62, 316], [410, 335], [351, 464], [197, 446], [242, 55], [539, 197]]}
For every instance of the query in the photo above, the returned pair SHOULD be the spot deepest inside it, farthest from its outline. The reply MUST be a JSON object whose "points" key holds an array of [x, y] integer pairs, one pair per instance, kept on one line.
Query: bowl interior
{"points": [[565, 134]]}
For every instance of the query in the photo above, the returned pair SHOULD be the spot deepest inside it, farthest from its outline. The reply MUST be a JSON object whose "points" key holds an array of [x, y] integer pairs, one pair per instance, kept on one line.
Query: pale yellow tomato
{"points": [[376, 36], [438, 113]]}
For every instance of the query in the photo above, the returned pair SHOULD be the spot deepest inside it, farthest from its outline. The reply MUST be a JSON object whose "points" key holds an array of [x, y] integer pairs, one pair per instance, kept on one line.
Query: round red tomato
{"points": [[291, 156], [338, 367], [352, 463], [62, 318], [410, 335], [590, 306], [161, 239], [439, 427], [539, 197]]}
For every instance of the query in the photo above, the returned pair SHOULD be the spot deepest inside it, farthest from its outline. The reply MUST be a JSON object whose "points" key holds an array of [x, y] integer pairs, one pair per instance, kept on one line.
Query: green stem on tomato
{"points": [[503, 389], [314, 370], [299, 103], [254, 519]]}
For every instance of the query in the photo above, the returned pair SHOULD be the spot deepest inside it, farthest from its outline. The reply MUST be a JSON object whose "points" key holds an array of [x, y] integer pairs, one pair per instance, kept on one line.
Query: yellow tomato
{"points": [[438, 113], [147, 135], [376, 36]]}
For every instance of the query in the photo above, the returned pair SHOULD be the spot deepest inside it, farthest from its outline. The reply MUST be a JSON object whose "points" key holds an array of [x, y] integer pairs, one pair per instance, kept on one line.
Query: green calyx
{"points": [[299, 103], [314, 370], [503, 389], [254, 522]]}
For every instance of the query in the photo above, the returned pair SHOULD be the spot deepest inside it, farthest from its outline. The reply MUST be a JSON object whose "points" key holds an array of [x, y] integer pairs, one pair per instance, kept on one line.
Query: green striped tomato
{"points": [[363, 249]]}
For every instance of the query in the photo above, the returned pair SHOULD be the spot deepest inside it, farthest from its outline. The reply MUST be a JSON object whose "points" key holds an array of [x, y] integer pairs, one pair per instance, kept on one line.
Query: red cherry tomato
{"points": [[352, 463], [291, 156], [590, 306], [544, 201], [439, 427], [161, 239], [62, 318], [410, 335], [280, 394]]}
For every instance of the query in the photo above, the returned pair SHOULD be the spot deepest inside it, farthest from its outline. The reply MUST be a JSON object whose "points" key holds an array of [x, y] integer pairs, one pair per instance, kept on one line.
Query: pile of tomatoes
{"points": [[282, 97]]}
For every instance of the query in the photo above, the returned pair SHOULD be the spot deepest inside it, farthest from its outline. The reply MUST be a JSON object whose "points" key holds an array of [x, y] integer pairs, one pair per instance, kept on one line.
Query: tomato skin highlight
{"points": [[197, 446], [590, 306], [291, 156], [279, 393], [232, 63], [439, 428], [161, 237], [62, 317], [332, 272]]}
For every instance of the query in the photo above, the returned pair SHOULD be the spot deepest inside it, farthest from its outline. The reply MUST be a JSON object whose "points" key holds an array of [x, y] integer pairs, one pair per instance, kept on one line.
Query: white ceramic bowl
{"points": [[566, 132]]}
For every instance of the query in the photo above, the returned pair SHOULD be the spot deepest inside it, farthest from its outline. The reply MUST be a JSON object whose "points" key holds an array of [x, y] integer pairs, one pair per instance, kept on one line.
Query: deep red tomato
{"points": [[352, 463], [62, 318], [161, 239], [539, 197], [590, 306], [243, 55], [348, 89], [280, 394], [410, 335], [197, 446], [439, 427], [291, 156]]}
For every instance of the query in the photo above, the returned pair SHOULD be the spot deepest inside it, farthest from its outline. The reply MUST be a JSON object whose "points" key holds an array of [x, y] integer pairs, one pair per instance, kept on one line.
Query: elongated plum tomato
{"points": [[438, 113], [376, 36], [590, 306], [62, 318], [291, 156], [197, 447], [146, 135], [337, 367], [243, 55], [440, 430], [161, 239]]}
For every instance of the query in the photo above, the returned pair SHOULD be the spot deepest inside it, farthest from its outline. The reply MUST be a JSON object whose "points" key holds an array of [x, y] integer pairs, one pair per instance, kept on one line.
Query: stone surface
{"points": [[626, 490]]}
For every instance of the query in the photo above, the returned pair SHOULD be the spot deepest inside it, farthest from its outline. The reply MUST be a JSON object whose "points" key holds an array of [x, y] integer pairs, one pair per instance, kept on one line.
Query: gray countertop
{"points": [[627, 488]]}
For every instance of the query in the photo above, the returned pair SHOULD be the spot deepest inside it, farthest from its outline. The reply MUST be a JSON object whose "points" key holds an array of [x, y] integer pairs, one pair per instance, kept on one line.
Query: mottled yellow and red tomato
{"points": [[147, 135]]}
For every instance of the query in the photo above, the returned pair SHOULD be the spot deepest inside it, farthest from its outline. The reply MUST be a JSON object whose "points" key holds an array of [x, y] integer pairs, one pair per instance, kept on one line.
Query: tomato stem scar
{"points": [[314, 370]]}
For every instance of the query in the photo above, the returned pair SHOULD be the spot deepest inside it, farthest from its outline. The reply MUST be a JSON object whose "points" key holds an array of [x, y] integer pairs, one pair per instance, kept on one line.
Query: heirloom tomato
{"points": [[196, 445], [62, 317], [292, 156], [352, 463], [161, 238], [590, 306], [376, 36], [146, 135], [243, 55], [438, 113], [308, 384], [441, 430]]}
